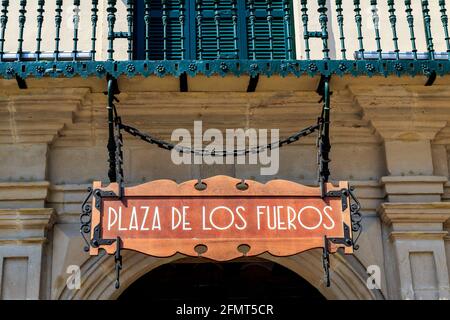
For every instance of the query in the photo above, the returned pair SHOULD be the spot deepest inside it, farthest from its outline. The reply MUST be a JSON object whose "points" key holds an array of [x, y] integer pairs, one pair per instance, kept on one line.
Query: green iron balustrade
{"points": [[226, 37]]}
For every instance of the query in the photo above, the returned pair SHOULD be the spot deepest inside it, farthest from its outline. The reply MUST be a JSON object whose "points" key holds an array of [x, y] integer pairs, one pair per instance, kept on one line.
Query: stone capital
{"points": [[415, 213], [23, 194], [414, 188], [407, 130], [25, 225]]}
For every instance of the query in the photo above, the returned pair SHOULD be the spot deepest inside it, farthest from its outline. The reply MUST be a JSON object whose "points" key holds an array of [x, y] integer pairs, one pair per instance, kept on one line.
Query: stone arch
{"points": [[347, 275]]}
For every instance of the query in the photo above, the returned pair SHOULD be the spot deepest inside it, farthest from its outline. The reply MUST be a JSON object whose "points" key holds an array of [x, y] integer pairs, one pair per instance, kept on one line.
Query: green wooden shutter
{"points": [[173, 31], [262, 43], [206, 38]]}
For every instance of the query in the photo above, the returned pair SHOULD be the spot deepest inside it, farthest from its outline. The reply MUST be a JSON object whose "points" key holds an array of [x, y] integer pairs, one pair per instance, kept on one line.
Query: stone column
{"points": [[22, 235], [414, 215], [31, 119]]}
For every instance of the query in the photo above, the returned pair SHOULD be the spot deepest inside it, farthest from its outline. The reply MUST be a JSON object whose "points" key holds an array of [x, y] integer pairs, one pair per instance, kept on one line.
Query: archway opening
{"points": [[197, 280]]}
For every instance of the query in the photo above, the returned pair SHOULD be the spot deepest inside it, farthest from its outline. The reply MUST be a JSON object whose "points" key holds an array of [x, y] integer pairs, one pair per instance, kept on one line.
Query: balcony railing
{"points": [[74, 37]]}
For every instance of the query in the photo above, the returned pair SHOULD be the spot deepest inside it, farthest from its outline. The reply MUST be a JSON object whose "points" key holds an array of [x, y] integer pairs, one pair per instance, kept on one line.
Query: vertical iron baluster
{"points": [[269, 25], [22, 20], [287, 28], [340, 20], [130, 20], [3, 23], [58, 21], [444, 19], [252, 18], [111, 22], [147, 18], [410, 19], [393, 21], [164, 22], [305, 28], [427, 24], [376, 25], [76, 25], [94, 20], [323, 19], [40, 21], [358, 20], [234, 17], [182, 18], [217, 22], [199, 29]]}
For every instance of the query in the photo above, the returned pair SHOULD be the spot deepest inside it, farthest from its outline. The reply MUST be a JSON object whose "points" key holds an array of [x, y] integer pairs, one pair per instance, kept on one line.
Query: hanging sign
{"points": [[223, 220]]}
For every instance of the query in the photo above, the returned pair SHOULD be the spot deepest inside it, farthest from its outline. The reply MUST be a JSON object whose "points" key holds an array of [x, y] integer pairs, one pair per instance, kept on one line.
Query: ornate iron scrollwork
{"points": [[356, 217], [97, 240], [85, 219], [347, 240]]}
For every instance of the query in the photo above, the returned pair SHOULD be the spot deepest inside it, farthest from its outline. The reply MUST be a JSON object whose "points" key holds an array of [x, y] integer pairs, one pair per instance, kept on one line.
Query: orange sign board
{"points": [[221, 222]]}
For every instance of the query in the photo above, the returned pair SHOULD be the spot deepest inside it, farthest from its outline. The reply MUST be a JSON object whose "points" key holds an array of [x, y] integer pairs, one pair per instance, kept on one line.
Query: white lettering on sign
{"points": [[277, 218]]}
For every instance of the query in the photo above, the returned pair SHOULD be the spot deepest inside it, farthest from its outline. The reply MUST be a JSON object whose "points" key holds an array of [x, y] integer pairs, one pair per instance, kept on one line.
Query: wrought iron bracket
{"points": [[115, 141], [323, 140], [21, 83], [97, 239], [85, 219], [346, 240], [343, 194], [326, 262], [356, 217], [431, 77], [118, 261]]}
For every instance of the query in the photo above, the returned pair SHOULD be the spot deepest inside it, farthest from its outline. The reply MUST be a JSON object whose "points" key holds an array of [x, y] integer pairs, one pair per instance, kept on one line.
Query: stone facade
{"points": [[390, 139]]}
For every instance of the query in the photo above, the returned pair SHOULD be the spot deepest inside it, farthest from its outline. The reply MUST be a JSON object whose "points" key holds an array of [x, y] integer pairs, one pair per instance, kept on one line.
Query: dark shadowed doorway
{"points": [[193, 280]]}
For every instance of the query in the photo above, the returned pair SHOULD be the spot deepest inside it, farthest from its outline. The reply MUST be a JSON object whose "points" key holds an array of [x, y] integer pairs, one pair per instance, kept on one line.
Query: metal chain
{"points": [[220, 153]]}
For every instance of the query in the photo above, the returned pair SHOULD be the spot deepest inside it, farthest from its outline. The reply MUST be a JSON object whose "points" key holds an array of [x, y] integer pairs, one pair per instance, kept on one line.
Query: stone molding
{"points": [[434, 212], [27, 194], [25, 225], [414, 188]]}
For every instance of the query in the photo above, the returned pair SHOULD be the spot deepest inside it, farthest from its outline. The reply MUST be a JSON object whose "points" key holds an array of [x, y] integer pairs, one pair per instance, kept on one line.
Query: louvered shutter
{"points": [[262, 46], [207, 36], [203, 41], [173, 41]]}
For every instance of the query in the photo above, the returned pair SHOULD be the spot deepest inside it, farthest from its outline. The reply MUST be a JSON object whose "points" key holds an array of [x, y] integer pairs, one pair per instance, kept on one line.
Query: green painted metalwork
{"points": [[358, 20], [199, 29], [393, 20], [147, 19], [111, 23], [222, 67], [58, 21], [234, 18], [410, 19], [305, 20], [22, 20], [182, 19], [76, 25], [376, 26], [94, 22], [3, 23], [269, 26], [444, 19], [287, 29], [217, 24], [252, 21], [221, 37], [323, 19], [427, 24], [40, 21], [340, 20], [130, 22]]}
